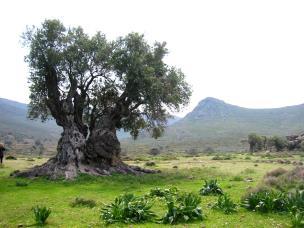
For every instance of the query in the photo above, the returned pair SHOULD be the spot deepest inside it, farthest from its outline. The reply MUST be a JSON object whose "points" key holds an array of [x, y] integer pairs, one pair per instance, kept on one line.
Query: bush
{"points": [[265, 201], [21, 184], [276, 172], [127, 209], [184, 208], [225, 204], [154, 151], [41, 214], [211, 187], [150, 163], [83, 202], [11, 157]]}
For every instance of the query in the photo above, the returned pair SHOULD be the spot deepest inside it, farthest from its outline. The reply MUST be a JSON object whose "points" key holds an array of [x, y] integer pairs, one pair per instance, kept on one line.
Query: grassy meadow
{"points": [[235, 175]]}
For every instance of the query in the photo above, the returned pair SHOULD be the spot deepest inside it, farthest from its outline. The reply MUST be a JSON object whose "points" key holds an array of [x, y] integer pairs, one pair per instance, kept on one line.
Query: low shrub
{"points": [[276, 172], [237, 178], [127, 208], [168, 192], [41, 214], [10, 157], [225, 204], [265, 201], [211, 187], [218, 157], [21, 184], [150, 163], [184, 208], [81, 202]]}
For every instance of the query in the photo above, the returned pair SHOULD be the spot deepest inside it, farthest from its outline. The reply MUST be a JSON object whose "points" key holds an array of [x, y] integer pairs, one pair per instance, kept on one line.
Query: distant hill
{"points": [[214, 123], [13, 120]]}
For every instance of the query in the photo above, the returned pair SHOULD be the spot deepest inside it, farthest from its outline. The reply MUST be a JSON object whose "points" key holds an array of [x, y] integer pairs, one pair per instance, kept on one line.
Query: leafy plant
{"points": [[168, 192], [83, 202], [225, 204], [184, 208], [265, 201], [297, 220], [295, 201], [41, 214], [211, 187], [127, 208]]}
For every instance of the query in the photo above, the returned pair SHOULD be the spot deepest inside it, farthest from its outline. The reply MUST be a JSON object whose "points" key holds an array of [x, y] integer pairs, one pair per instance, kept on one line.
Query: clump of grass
{"points": [[237, 178], [184, 208], [21, 184], [225, 157], [249, 171], [41, 214], [225, 204], [127, 209], [211, 187], [81, 202]]}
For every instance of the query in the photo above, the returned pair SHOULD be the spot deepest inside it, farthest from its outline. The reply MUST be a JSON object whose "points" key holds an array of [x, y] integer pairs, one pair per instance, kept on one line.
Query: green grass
{"points": [[16, 202]]}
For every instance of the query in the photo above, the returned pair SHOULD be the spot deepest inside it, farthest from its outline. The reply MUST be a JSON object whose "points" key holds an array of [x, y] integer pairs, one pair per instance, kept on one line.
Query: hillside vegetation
{"points": [[225, 127]]}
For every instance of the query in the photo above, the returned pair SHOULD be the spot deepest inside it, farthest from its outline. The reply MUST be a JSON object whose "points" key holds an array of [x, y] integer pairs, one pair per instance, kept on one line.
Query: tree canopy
{"points": [[93, 82]]}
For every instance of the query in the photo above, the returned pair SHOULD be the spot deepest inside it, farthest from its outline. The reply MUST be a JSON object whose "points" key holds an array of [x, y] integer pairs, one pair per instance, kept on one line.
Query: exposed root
{"points": [[53, 170]]}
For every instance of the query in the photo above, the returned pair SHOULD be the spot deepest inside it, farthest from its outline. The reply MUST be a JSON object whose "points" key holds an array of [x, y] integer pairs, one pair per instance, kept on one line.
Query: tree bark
{"points": [[99, 155]]}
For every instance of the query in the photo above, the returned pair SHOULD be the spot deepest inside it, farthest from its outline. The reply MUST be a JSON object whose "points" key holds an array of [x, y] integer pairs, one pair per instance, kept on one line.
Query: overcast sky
{"points": [[248, 53]]}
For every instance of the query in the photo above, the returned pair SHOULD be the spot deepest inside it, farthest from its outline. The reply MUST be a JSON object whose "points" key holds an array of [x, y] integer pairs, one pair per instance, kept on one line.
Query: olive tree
{"points": [[92, 87]]}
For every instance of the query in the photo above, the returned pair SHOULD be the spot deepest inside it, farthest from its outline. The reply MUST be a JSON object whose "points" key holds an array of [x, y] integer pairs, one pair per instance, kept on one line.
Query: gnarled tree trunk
{"points": [[98, 155], [70, 154]]}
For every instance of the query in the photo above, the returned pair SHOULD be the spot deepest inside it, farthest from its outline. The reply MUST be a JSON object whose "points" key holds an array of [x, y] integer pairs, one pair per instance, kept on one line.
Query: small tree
{"points": [[255, 142], [279, 143]]}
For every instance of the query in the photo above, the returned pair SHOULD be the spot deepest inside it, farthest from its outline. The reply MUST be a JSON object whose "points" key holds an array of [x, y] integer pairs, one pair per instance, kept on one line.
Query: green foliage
{"points": [[297, 220], [127, 208], [218, 157], [184, 208], [83, 203], [41, 214], [10, 157], [211, 187], [265, 201], [295, 201], [126, 78], [166, 193], [225, 204], [21, 184], [256, 142], [278, 142], [237, 178]]}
